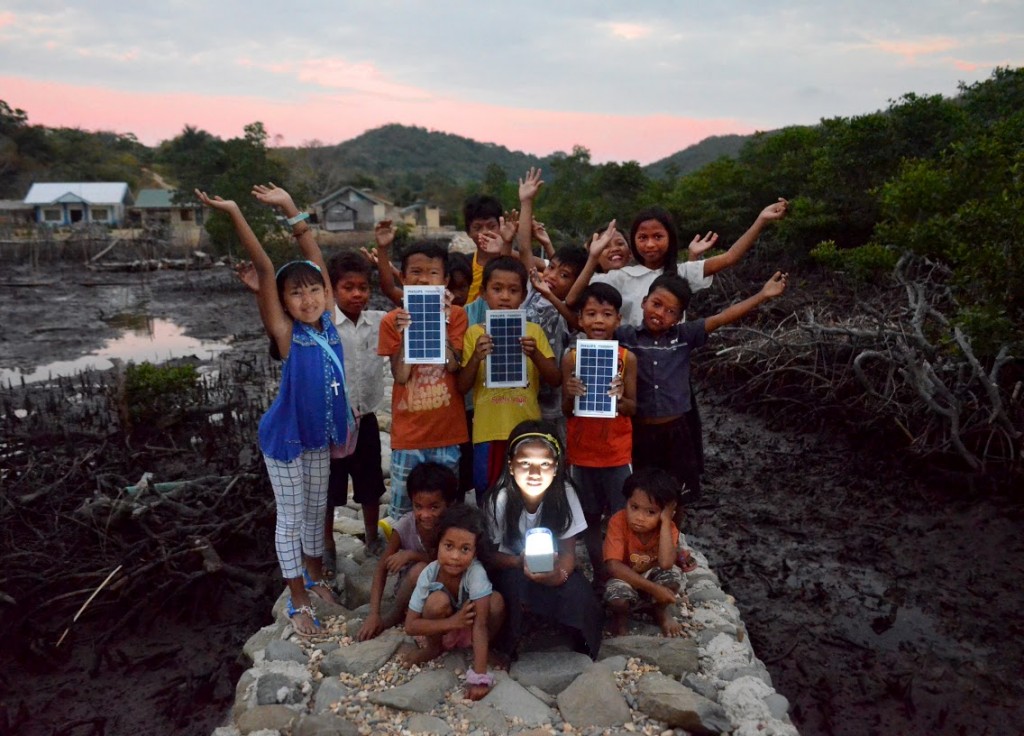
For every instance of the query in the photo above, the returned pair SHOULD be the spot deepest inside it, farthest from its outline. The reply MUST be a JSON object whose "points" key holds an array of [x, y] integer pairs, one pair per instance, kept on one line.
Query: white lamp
{"points": [[540, 550]]}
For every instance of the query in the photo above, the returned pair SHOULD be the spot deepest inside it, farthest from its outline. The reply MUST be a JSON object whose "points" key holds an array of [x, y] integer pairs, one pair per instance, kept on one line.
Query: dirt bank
{"points": [[881, 602]]}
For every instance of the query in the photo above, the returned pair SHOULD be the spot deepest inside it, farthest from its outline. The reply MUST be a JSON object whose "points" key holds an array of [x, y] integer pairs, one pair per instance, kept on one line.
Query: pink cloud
{"points": [[910, 50], [6, 19], [336, 117], [629, 31], [337, 73]]}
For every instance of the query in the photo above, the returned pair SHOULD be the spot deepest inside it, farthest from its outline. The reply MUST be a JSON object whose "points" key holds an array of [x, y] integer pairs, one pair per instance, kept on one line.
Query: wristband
{"points": [[298, 218], [477, 678]]}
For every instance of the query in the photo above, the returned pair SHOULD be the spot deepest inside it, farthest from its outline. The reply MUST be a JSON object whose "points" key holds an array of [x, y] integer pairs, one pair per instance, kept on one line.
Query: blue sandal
{"points": [[311, 583], [308, 610]]}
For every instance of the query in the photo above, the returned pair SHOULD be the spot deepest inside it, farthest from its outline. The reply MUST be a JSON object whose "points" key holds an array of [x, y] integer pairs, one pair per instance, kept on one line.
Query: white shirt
{"points": [[364, 369], [633, 282], [527, 521]]}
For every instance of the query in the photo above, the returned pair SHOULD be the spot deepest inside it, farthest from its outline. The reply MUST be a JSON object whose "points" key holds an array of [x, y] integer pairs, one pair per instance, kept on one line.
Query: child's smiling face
{"points": [[559, 277], [422, 270], [662, 311], [304, 302], [616, 255], [651, 242], [427, 507], [456, 551], [598, 320]]}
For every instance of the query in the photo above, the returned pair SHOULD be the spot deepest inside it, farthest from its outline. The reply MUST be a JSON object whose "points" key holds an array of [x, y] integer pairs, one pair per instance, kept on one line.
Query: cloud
{"points": [[911, 49], [629, 31], [7, 19]]}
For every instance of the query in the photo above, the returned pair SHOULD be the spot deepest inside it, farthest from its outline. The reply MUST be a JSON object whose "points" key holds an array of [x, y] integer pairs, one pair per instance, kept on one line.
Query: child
{"points": [[545, 301], [600, 450], [428, 417], [640, 551], [412, 544], [497, 410], [490, 232], [533, 491], [454, 604], [662, 345], [311, 412], [460, 277], [359, 329], [655, 246]]}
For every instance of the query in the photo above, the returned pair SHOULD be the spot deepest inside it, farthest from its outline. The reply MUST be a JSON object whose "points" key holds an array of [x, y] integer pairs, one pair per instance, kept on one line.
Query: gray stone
{"points": [[362, 657], [547, 698], [326, 609], [326, 724], [284, 651], [663, 698], [358, 581], [420, 723], [455, 661], [275, 687], [755, 669], [487, 719], [346, 526], [258, 641], [703, 591], [272, 717], [514, 701], [778, 706], [420, 694], [618, 663], [347, 546], [706, 636], [242, 699], [702, 685], [593, 699], [675, 656], [327, 646], [331, 691], [226, 731], [550, 671]]}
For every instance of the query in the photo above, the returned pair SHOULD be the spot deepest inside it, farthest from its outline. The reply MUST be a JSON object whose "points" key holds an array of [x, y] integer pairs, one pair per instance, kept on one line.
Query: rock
{"points": [[755, 669], [385, 446], [702, 685], [512, 699], [704, 590], [487, 719], [275, 687], [350, 527], [331, 691], [272, 717], [326, 609], [546, 698], [552, 672], [593, 699], [420, 694], [618, 663], [284, 651], [258, 641], [347, 546], [242, 699], [420, 723], [326, 724], [358, 581], [226, 731], [675, 656], [778, 706], [746, 700], [664, 699], [725, 653], [327, 646], [362, 657]]}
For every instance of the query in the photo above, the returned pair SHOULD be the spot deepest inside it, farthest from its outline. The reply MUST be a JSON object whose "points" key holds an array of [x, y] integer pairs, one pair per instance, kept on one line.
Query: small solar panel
{"points": [[425, 335], [506, 365], [597, 363]]}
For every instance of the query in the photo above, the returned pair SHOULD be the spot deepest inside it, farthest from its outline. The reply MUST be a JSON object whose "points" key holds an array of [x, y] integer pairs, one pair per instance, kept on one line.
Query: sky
{"points": [[629, 81]]}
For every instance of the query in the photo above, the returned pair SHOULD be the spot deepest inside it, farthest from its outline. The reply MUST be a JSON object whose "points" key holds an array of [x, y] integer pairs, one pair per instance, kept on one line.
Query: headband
{"points": [[292, 263], [520, 438]]}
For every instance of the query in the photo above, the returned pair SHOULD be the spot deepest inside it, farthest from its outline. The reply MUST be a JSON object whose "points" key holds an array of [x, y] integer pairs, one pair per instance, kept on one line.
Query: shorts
{"points": [[363, 466], [616, 589], [600, 489], [402, 463]]}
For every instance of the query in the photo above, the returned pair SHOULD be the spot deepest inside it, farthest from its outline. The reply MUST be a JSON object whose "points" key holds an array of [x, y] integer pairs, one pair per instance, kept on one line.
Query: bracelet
{"points": [[298, 218], [477, 678]]}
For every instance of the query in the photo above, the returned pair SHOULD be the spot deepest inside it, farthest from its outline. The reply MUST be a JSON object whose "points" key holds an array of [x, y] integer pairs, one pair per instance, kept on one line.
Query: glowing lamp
{"points": [[540, 550]]}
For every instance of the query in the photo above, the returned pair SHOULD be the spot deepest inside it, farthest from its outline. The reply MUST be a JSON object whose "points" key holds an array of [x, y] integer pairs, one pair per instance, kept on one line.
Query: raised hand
{"points": [[540, 234], [384, 233], [530, 185], [699, 246], [508, 225], [273, 195], [492, 242], [775, 211], [217, 202], [371, 255], [775, 285], [599, 242], [540, 285], [246, 273]]}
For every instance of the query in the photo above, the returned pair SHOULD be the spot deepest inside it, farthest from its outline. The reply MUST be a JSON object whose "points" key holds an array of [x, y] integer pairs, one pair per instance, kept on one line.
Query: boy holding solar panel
{"points": [[428, 417], [504, 361]]}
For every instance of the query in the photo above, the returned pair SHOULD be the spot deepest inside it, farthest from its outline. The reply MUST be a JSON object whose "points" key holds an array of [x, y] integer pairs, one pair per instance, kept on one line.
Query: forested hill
{"points": [[698, 155]]}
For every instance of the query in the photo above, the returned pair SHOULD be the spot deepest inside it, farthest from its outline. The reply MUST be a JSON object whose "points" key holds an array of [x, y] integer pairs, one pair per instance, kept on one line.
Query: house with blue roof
{"points": [[70, 203]]}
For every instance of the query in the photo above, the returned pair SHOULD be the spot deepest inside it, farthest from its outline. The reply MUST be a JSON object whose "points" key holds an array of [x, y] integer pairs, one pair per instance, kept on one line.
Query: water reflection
{"points": [[145, 340]]}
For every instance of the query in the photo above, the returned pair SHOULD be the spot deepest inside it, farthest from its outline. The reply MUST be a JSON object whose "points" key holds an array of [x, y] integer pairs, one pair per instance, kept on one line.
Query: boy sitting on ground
{"points": [[640, 552]]}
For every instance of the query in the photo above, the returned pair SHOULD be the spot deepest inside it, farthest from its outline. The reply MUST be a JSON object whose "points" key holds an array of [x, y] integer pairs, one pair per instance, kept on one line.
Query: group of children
{"points": [[464, 577]]}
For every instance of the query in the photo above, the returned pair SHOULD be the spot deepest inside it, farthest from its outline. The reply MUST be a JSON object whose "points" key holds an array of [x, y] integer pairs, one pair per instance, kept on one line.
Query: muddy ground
{"points": [[882, 598]]}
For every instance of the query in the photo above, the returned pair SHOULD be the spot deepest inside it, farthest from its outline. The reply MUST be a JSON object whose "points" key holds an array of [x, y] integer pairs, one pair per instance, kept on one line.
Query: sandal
{"points": [[311, 584], [308, 610]]}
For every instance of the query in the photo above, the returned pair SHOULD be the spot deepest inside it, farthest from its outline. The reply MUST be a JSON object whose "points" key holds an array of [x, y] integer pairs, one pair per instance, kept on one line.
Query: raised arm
{"points": [[276, 321], [571, 318], [771, 213], [301, 231], [529, 187], [772, 288], [384, 235], [597, 245]]}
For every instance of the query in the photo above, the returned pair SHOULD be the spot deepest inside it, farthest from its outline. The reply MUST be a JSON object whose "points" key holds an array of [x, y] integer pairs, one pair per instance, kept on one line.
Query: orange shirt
{"points": [[620, 543], [427, 411]]}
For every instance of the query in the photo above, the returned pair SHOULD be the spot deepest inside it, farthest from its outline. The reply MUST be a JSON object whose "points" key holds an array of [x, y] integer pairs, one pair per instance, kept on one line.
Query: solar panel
{"points": [[425, 335], [597, 363], [506, 364]]}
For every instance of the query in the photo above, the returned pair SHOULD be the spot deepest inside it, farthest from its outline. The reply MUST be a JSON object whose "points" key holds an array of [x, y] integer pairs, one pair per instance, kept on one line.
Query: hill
{"points": [[694, 157]]}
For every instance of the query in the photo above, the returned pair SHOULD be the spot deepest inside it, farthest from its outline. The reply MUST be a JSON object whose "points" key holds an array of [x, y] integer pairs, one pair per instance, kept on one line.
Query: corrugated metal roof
{"points": [[361, 192], [155, 198], [91, 192]]}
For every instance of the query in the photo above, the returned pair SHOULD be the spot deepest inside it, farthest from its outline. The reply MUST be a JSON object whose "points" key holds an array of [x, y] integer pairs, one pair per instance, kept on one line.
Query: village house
{"points": [[155, 208], [60, 204], [353, 209]]}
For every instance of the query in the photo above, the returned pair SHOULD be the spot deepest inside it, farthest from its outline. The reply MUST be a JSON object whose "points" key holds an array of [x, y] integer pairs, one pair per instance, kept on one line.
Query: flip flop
{"points": [[308, 610]]}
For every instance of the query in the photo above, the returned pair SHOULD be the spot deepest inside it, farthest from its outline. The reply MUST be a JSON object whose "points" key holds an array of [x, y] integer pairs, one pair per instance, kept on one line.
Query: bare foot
{"points": [[669, 626], [411, 654], [619, 626], [303, 620], [476, 692]]}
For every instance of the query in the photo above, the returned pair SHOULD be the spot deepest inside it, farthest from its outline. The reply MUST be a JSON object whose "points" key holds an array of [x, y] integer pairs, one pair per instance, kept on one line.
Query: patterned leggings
{"points": [[300, 490]]}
